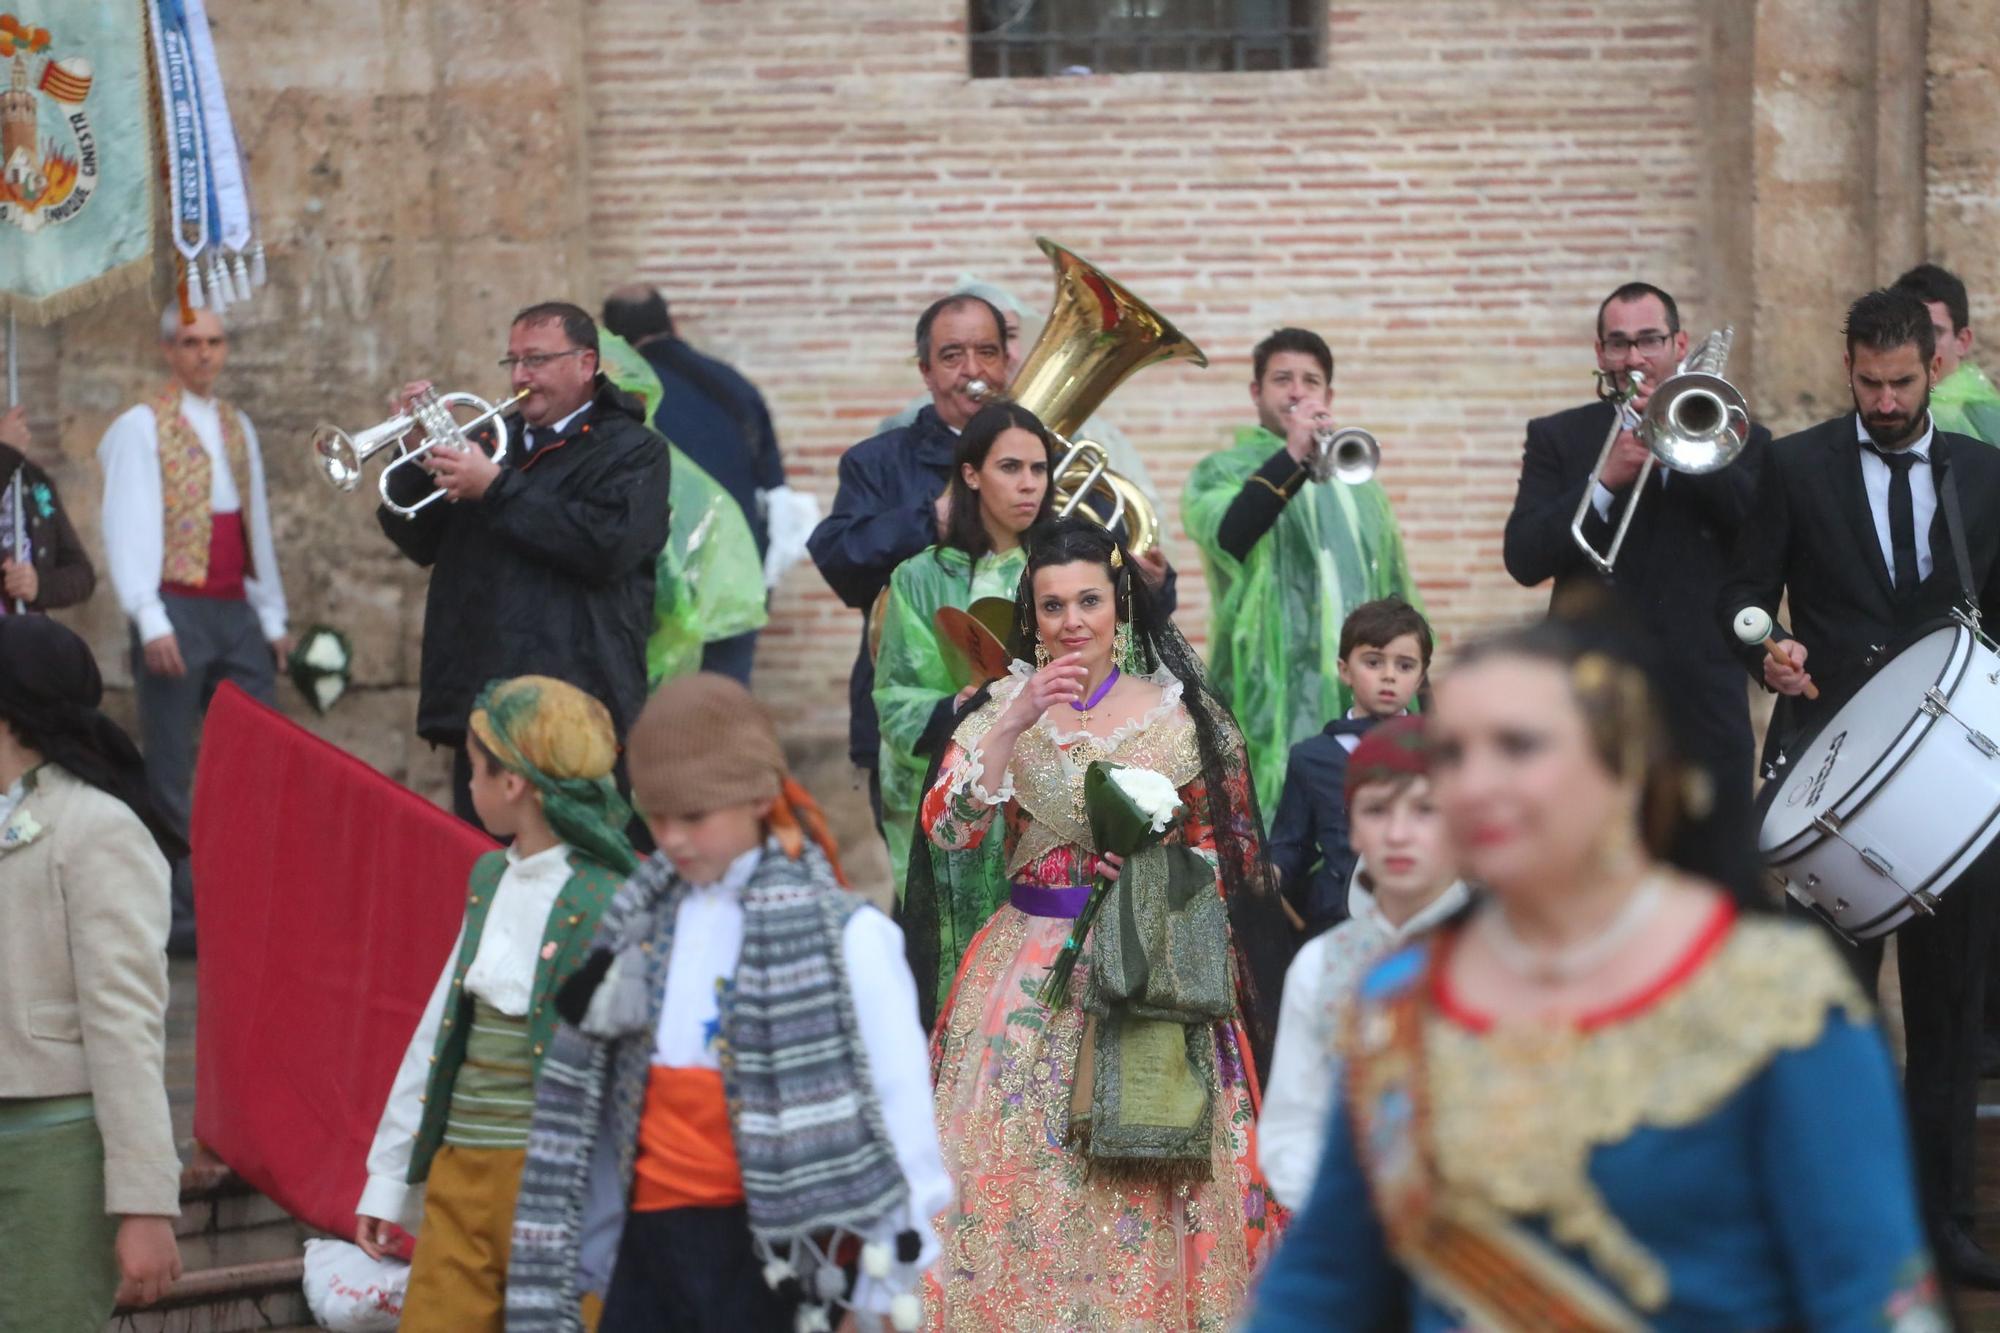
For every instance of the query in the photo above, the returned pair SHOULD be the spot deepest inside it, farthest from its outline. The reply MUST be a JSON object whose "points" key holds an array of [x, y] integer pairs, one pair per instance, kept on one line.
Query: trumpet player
{"points": [[1676, 552], [187, 527], [1287, 557], [542, 561]]}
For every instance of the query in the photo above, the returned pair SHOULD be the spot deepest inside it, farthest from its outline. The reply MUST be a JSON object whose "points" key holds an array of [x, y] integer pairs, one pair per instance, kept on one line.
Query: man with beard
{"points": [[1850, 519]]}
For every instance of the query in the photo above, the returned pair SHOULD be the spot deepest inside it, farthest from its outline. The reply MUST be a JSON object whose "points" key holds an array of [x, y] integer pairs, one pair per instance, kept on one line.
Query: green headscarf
{"points": [[562, 741]]}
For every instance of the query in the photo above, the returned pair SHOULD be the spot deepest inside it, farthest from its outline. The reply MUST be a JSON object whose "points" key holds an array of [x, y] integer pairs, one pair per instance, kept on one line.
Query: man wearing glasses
{"points": [[541, 563], [188, 533], [1676, 553]]}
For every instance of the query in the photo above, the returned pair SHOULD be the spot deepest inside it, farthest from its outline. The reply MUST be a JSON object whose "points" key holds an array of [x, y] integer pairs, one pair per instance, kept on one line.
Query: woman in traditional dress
{"points": [[1105, 1164], [1608, 1097], [999, 489]]}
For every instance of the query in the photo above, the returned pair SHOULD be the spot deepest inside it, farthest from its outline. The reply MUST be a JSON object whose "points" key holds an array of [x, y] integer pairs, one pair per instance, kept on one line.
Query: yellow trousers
{"points": [[458, 1275]]}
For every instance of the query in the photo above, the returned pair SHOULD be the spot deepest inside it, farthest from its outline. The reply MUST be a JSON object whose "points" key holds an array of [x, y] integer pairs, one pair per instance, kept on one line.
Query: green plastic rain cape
{"points": [[1965, 401], [709, 583], [910, 678], [1274, 636]]}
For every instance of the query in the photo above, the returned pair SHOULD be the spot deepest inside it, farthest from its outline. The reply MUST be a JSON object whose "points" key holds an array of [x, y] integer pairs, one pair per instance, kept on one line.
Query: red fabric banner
{"points": [[326, 899]]}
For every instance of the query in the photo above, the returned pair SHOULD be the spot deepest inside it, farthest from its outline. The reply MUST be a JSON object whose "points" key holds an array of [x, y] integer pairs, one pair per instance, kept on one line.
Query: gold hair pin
{"points": [[1117, 560]]}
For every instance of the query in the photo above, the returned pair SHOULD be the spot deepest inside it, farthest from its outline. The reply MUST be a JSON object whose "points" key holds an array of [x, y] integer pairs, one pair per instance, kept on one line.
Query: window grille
{"points": [[1034, 39]]}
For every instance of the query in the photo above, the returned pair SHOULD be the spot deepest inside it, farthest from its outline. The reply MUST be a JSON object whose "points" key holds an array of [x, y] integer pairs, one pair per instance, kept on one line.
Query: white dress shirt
{"points": [[1875, 478], [1305, 1071], [502, 974], [135, 522], [708, 939]]}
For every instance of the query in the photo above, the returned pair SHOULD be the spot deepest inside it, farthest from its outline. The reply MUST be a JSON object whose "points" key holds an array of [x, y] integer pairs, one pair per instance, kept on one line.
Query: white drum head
{"points": [[1862, 732]]}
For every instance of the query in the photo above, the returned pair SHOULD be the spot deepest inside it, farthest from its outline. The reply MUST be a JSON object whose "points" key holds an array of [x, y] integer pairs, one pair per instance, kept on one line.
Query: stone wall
{"points": [[1447, 199]]}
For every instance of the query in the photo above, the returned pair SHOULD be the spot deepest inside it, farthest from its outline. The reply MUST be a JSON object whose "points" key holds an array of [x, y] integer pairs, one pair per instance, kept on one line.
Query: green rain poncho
{"points": [[709, 583], [910, 679], [1274, 637], [1965, 401]]}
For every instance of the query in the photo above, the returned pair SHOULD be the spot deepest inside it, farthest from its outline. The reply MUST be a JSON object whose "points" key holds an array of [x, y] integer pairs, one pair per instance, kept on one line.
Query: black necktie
{"points": [[531, 440], [1902, 519]]}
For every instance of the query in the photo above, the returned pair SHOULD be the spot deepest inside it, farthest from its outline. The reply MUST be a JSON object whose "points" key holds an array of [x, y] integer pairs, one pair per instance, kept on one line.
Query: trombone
{"points": [[343, 457], [1696, 422]]}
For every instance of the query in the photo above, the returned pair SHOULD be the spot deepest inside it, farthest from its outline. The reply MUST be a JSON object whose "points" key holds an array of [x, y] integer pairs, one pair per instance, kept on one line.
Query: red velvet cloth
{"points": [[326, 899]]}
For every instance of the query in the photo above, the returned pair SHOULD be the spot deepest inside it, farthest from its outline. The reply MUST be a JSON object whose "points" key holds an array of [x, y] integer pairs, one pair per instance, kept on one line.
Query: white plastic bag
{"points": [[351, 1293]]}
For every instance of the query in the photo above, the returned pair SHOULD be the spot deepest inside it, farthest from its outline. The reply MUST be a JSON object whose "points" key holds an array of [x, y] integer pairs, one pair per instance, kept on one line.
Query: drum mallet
{"points": [[1753, 626]]}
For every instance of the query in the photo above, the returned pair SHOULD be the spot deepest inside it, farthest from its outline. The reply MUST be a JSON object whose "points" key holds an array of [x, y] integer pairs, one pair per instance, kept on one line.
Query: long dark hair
{"points": [[1616, 680], [1259, 932], [964, 526]]}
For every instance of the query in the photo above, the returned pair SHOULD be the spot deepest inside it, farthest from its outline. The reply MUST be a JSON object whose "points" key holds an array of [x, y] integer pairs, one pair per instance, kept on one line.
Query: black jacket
{"points": [[1812, 536], [718, 419], [883, 513], [1674, 560], [1309, 833], [62, 565], [550, 573]]}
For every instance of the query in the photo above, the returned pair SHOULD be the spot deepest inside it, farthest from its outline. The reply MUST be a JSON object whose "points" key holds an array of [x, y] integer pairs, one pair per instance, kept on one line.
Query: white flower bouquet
{"points": [[1129, 809]]}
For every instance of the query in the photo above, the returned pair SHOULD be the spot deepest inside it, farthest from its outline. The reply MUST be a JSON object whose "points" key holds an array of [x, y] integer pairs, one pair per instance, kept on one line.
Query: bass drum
{"points": [[1898, 794]]}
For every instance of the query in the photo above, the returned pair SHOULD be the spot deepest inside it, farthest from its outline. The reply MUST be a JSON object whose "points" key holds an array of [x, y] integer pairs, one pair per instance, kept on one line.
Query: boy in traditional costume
{"points": [[458, 1112], [1402, 881], [745, 1095]]}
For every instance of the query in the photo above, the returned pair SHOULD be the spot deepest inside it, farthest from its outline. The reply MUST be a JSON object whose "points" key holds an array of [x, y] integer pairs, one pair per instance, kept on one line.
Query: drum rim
{"points": [[1893, 756]]}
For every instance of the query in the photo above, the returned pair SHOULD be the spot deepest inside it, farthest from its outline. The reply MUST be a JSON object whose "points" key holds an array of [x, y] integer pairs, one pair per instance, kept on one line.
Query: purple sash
{"points": [[1063, 901]]}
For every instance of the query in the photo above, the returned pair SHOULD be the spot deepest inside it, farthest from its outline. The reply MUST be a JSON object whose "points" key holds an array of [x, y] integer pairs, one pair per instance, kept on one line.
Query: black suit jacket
{"points": [[1308, 843], [1673, 562], [1811, 535]]}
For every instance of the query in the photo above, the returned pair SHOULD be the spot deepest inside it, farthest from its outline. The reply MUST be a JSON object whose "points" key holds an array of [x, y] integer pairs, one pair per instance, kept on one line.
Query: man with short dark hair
{"points": [[541, 563], [719, 420], [1287, 561], [1676, 553], [1964, 400], [1851, 522]]}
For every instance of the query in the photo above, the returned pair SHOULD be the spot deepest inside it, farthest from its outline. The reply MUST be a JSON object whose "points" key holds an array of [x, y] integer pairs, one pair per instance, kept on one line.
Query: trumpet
{"points": [[1349, 455], [343, 457]]}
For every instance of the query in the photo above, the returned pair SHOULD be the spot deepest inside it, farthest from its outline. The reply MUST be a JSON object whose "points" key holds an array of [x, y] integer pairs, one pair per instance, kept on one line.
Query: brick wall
{"points": [[1447, 201]]}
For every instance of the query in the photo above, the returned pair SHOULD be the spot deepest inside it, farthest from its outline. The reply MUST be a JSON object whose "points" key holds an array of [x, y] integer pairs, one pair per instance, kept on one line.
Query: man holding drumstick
{"points": [[1852, 520]]}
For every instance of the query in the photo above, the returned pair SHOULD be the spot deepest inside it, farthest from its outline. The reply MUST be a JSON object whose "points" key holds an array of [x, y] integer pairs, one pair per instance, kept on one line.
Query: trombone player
{"points": [[1676, 552], [1288, 556], [542, 561]]}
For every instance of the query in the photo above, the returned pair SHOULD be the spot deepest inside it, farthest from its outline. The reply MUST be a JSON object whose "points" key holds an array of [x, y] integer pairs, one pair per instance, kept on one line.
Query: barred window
{"points": [[1031, 39]]}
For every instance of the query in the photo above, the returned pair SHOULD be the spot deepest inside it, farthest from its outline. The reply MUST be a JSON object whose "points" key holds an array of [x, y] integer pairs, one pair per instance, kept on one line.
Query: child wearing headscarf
{"points": [[737, 1133], [89, 1179], [1405, 882], [456, 1123]]}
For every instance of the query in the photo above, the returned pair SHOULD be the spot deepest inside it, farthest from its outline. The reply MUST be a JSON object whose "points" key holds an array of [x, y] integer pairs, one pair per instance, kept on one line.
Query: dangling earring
{"points": [[1041, 655], [1121, 646]]}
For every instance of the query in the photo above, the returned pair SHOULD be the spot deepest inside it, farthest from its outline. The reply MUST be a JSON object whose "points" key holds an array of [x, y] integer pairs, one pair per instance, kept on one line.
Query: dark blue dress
{"points": [[1727, 1154]]}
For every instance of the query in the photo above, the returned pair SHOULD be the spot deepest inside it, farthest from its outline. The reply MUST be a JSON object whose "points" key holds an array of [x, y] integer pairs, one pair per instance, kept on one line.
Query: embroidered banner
{"points": [[76, 157]]}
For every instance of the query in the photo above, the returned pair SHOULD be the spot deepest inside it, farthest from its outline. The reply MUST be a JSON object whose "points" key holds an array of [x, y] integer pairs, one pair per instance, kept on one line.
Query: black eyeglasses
{"points": [[536, 360], [1618, 344]]}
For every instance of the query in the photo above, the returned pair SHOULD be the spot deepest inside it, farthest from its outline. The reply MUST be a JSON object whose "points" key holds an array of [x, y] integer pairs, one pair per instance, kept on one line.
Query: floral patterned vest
{"points": [[185, 487]]}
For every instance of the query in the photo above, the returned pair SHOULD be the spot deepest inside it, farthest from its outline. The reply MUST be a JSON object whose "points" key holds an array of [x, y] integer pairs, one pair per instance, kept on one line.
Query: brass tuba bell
{"points": [[1098, 334]]}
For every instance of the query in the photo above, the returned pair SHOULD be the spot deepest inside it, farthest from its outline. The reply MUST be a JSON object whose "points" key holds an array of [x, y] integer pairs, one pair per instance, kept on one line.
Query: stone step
{"points": [[240, 1298], [242, 1260]]}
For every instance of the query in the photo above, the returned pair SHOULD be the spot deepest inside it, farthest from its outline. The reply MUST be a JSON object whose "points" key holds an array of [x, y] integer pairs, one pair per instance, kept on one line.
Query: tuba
{"points": [[1097, 336], [1695, 422]]}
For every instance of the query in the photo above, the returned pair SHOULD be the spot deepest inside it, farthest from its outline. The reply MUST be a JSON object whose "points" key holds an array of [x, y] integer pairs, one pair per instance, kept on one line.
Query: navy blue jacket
{"points": [[1310, 830], [718, 419], [884, 512]]}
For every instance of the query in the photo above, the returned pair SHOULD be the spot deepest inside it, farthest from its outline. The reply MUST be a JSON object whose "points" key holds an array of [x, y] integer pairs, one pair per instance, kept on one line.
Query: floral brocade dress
{"points": [[1038, 1239]]}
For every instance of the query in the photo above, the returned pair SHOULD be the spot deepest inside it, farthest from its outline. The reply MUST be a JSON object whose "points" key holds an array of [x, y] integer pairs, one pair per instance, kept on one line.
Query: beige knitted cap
{"points": [[702, 743]]}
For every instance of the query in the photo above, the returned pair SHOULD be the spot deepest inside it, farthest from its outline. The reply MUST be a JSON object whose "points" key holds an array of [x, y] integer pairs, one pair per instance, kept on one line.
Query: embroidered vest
{"points": [[185, 484], [566, 941]]}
